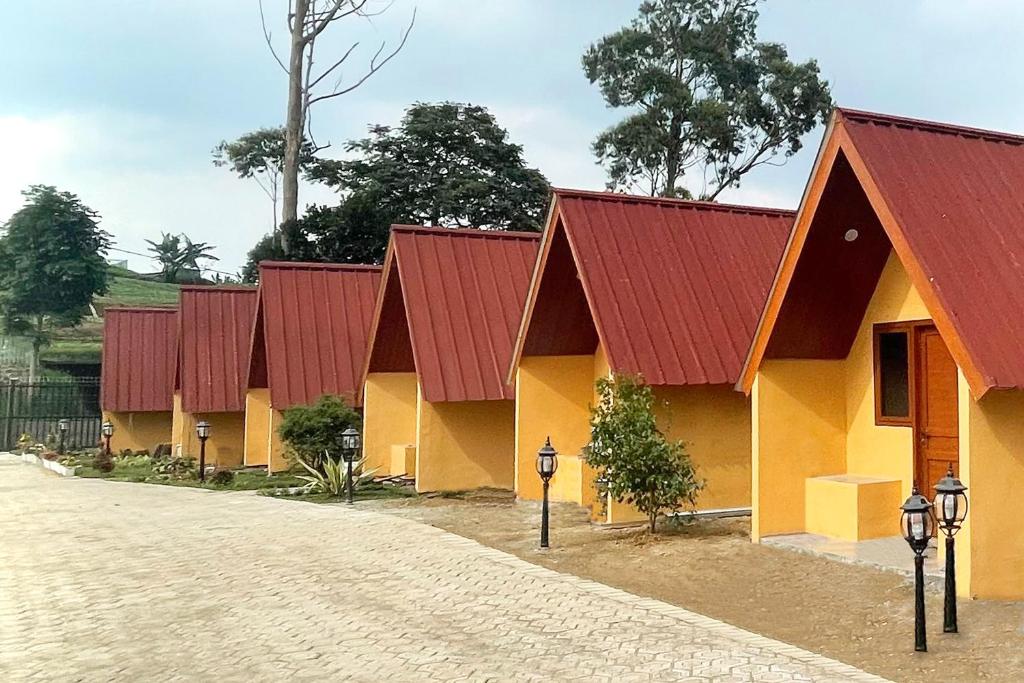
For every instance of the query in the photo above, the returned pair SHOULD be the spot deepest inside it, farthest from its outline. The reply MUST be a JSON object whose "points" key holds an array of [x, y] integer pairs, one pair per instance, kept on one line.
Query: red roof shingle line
{"points": [[215, 326], [954, 193], [139, 356], [463, 292], [316, 323], [702, 337]]}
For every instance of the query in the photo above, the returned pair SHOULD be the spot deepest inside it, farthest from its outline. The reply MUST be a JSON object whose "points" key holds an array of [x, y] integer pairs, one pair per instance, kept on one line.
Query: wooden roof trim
{"points": [[556, 220], [978, 383], [827, 153], [389, 257], [546, 239], [837, 138]]}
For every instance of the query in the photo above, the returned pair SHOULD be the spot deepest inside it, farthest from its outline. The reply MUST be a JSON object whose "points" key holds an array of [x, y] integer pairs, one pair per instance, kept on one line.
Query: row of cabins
{"points": [[819, 364]]}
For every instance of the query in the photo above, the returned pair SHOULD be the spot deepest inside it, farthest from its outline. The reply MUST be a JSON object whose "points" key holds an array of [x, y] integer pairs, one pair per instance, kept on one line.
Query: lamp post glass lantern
{"points": [[203, 432], [62, 434], [107, 428], [918, 526], [951, 510], [547, 465], [351, 441]]}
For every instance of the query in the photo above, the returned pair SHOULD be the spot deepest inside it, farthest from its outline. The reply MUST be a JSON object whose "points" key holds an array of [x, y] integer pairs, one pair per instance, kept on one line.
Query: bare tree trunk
{"points": [[653, 518], [294, 121]]}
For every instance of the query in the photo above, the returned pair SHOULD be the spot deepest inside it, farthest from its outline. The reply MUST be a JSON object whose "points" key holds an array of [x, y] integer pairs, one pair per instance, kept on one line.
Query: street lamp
{"points": [[918, 527], [547, 464], [350, 443], [203, 432], [108, 431], [62, 433], [951, 509]]}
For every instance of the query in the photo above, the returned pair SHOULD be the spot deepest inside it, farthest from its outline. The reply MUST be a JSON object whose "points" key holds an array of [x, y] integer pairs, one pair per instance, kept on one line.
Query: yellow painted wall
{"points": [[226, 444], [873, 450], [714, 422], [139, 431], [993, 470], [465, 445], [798, 430], [262, 442], [553, 398], [389, 416]]}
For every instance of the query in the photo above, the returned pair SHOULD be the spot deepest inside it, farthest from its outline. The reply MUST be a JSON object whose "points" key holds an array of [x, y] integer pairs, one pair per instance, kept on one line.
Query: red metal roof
{"points": [[215, 328], [675, 287], [463, 292], [312, 326], [957, 195], [139, 355]]}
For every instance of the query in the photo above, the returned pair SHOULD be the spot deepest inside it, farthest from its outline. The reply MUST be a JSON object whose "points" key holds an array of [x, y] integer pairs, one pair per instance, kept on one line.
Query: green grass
{"points": [[367, 492], [142, 472], [73, 351], [128, 289]]}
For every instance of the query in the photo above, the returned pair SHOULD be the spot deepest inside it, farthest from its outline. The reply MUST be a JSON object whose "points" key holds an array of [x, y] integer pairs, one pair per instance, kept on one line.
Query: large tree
{"points": [[355, 231], [704, 96], [446, 164], [260, 155], [307, 21], [51, 265]]}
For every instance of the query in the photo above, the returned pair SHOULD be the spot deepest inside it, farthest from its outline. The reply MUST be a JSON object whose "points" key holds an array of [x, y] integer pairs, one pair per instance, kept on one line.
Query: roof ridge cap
{"points": [[464, 232], [862, 116], [325, 265], [693, 204]]}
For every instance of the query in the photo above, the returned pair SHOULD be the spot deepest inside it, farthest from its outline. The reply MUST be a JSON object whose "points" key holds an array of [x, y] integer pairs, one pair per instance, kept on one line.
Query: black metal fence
{"points": [[36, 408]]}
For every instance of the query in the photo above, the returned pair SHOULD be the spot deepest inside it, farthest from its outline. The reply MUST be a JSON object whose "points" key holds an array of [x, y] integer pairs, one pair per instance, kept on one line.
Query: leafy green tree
{"points": [[311, 431], [260, 155], [447, 164], [635, 463], [704, 96], [175, 253], [51, 265]]}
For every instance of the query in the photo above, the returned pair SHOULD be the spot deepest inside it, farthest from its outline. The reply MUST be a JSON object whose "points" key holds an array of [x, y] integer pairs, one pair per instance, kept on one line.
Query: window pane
{"points": [[895, 389]]}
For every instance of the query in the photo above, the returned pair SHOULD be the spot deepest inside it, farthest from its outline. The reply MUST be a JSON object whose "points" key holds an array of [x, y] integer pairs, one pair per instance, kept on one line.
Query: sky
{"points": [[121, 101]]}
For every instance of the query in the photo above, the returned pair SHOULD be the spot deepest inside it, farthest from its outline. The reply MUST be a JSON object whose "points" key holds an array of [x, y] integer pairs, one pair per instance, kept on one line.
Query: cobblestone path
{"points": [[104, 581]]}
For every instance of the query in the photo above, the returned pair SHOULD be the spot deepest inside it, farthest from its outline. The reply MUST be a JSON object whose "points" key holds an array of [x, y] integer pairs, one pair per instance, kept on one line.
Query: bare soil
{"points": [[856, 614]]}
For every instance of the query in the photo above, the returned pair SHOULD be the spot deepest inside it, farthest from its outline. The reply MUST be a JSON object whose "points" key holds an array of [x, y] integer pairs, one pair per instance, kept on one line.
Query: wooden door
{"points": [[936, 429]]}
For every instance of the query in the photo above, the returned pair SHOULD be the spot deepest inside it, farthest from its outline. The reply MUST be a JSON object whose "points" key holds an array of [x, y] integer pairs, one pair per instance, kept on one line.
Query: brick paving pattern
{"points": [[104, 581]]}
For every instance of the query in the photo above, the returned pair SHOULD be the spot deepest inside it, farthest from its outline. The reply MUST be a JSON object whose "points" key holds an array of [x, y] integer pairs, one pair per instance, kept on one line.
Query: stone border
{"points": [[52, 465], [720, 628]]}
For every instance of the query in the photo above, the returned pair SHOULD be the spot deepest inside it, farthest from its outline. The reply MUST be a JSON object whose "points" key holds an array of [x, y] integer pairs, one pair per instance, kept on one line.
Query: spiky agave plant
{"points": [[333, 478]]}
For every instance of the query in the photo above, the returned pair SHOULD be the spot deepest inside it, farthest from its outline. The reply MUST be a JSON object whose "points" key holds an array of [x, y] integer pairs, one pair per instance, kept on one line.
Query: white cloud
{"points": [[128, 169]]}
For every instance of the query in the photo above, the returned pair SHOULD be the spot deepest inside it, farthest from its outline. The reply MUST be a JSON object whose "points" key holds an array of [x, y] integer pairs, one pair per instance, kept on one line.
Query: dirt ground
{"points": [[859, 615]]}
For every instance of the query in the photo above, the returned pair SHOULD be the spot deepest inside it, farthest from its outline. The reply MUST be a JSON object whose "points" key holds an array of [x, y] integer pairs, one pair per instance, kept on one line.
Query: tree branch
{"points": [[374, 65], [333, 66], [266, 36]]}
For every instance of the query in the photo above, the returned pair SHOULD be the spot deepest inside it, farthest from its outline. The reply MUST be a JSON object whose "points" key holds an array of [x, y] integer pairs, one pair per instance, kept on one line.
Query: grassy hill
{"points": [[83, 344]]}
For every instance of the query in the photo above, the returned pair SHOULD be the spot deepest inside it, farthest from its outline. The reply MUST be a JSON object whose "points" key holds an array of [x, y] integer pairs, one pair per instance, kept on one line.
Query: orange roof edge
{"points": [[835, 139]]}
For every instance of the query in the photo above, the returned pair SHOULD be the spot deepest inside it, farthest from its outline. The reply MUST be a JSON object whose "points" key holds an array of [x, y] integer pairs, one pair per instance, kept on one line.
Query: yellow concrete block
{"points": [[403, 459], [852, 507]]}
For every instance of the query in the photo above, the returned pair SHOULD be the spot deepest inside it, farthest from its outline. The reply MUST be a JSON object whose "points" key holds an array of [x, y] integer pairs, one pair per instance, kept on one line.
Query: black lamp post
{"points": [[918, 526], [350, 444], [107, 428], [62, 434], [950, 509], [203, 432], [547, 464]]}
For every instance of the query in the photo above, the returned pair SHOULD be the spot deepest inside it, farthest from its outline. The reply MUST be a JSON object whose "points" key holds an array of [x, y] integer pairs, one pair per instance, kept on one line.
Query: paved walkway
{"points": [[105, 581]]}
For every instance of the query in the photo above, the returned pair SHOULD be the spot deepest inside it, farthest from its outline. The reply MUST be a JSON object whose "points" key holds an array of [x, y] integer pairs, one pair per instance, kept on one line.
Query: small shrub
{"points": [[25, 441], [311, 431], [176, 468], [103, 462], [635, 463], [221, 476]]}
